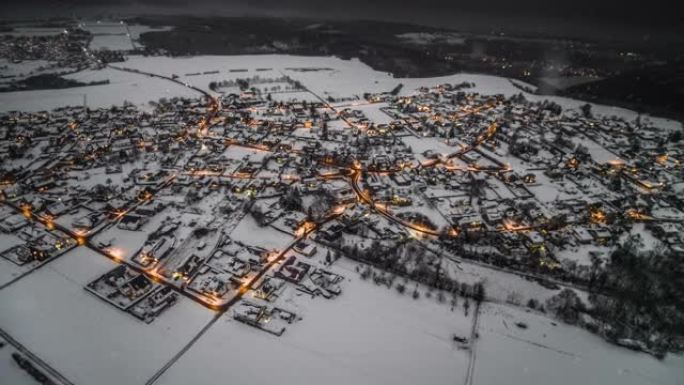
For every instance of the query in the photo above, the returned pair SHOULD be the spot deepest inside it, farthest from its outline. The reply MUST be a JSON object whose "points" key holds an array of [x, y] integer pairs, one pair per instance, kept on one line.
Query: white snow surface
{"points": [[86, 339], [368, 335], [348, 78], [559, 355]]}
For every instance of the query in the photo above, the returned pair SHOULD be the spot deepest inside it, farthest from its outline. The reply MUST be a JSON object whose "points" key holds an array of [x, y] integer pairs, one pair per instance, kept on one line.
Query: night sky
{"points": [[626, 19]]}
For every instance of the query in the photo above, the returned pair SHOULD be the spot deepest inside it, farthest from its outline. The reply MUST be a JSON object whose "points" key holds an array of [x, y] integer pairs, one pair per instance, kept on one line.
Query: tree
{"points": [[454, 300], [366, 273], [557, 222], [258, 214], [319, 208], [616, 183], [476, 187], [566, 305], [479, 292], [291, 199], [324, 131]]}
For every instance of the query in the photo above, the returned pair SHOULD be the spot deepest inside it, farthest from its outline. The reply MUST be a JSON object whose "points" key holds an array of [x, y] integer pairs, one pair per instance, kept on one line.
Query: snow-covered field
{"points": [[559, 354], [21, 69], [123, 86], [249, 233], [10, 371], [347, 79], [368, 335], [115, 36], [83, 337]]}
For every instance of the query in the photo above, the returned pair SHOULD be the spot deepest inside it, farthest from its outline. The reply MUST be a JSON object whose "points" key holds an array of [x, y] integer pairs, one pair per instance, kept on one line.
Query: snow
{"points": [[560, 355], [108, 35], [9, 270], [238, 153], [249, 232], [83, 337], [137, 29], [580, 255], [367, 335], [422, 38], [420, 145], [34, 31], [123, 86], [499, 284], [8, 68], [373, 113], [347, 79], [112, 42], [10, 371]]}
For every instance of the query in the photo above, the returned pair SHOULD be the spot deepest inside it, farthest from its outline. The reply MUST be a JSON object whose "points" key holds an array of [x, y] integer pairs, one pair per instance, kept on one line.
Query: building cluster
{"points": [[62, 52], [503, 180]]}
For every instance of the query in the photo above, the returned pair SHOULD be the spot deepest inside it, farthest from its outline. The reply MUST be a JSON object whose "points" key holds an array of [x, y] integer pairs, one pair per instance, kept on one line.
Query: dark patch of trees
{"points": [[48, 81]]}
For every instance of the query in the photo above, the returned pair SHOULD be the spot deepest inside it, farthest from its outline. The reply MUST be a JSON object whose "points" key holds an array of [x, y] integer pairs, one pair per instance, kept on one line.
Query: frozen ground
{"points": [[368, 335], [8, 269], [10, 372], [249, 233], [83, 337], [347, 79], [123, 86], [116, 36], [7, 68], [559, 355], [34, 31]]}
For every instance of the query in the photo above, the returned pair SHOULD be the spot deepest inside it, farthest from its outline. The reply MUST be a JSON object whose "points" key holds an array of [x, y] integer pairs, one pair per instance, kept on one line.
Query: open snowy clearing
{"points": [[368, 335], [560, 355], [82, 336], [251, 234], [123, 86], [346, 79], [10, 371]]}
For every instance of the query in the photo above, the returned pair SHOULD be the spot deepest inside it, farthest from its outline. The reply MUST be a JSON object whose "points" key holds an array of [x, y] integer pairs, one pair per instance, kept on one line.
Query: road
{"points": [[470, 371], [238, 296], [354, 176]]}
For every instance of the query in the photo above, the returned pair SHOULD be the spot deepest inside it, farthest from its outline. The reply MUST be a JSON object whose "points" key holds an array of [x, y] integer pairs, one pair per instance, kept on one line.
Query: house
{"points": [[305, 249], [56, 208], [132, 222], [13, 223], [534, 241], [601, 235], [582, 235]]}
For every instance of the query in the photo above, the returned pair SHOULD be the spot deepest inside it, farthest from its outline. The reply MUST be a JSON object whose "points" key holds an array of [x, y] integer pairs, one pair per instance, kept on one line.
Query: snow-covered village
{"points": [[299, 219]]}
